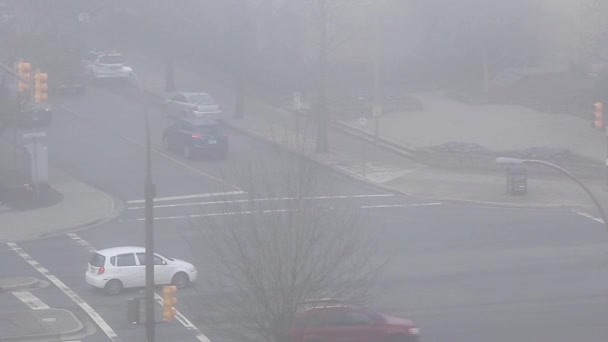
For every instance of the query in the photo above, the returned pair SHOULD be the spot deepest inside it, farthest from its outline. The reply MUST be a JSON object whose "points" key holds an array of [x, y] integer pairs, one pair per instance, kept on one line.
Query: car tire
{"points": [[180, 280], [187, 152], [113, 287]]}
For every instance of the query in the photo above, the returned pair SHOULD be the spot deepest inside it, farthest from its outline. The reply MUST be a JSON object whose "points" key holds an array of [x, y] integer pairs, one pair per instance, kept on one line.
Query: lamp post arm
{"points": [[571, 176]]}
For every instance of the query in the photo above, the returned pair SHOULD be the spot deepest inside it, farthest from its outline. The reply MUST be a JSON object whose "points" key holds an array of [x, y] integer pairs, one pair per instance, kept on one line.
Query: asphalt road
{"points": [[462, 273]]}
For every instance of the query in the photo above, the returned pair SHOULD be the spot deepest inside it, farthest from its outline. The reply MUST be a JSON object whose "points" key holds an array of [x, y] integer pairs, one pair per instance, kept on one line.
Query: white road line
{"points": [[105, 327], [82, 242], [30, 300], [159, 218], [259, 200], [248, 212], [180, 317], [184, 321], [399, 205], [589, 216], [176, 198]]}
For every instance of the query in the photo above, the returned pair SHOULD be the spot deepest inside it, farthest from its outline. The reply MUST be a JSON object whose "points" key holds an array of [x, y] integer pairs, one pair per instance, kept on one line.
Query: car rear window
{"points": [[97, 260], [208, 130], [114, 59]]}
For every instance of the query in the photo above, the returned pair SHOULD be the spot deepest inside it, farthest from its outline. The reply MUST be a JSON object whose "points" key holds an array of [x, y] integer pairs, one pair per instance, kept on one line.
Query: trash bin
{"points": [[517, 180], [133, 310]]}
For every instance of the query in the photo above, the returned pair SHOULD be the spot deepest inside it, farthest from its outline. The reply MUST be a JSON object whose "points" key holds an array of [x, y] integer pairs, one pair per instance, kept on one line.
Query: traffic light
{"points": [[41, 87], [24, 72], [598, 115], [169, 301]]}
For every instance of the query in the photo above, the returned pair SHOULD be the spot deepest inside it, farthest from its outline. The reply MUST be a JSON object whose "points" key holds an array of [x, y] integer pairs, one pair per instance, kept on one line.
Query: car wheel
{"points": [[166, 145], [180, 280], [187, 152], [113, 287]]}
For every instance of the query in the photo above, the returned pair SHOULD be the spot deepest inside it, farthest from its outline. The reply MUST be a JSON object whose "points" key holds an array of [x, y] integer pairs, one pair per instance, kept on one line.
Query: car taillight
{"points": [[196, 136], [101, 270]]}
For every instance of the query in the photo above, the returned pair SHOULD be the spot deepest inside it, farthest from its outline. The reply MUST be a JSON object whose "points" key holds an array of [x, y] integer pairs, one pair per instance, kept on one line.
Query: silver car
{"points": [[192, 105]]}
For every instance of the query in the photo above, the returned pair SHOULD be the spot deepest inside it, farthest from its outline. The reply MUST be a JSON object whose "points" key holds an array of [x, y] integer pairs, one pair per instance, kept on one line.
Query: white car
{"points": [[110, 64], [116, 268], [192, 105]]}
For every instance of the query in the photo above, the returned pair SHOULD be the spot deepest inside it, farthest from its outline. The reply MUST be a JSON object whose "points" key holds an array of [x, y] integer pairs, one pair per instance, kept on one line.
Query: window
{"points": [[186, 126], [179, 98], [126, 260], [97, 260], [142, 259], [357, 318], [201, 99], [214, 130], [111, 59]]}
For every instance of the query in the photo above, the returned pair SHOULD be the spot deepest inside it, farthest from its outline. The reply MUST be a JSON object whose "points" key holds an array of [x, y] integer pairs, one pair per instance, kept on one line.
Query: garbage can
{"points": [[133, 310], [517, 180]]}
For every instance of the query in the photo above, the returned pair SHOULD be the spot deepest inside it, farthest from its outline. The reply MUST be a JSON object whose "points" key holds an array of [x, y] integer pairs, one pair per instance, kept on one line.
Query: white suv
{"points": [[100, 65], [116, 268]]}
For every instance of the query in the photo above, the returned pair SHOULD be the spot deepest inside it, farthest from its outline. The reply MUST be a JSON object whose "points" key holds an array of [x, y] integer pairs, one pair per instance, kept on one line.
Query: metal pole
{"points": [[36, 176], [322, 138], [571, 176], [606, 132], [377, 47], [149, 193]]}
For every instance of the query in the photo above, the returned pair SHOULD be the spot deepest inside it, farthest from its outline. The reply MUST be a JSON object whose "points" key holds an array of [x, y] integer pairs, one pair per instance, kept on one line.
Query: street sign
{"points": [[362, 121], [34, 135], [376, 110], [84, 17], [297, 101]]}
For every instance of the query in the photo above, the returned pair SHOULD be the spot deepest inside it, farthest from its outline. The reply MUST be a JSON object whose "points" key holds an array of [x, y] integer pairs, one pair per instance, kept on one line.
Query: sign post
{"points": [[363, 123]]}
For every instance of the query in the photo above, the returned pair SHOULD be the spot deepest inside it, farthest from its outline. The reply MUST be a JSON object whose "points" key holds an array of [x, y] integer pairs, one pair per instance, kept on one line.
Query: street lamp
{"points": [[149, 193], [505, 160]]}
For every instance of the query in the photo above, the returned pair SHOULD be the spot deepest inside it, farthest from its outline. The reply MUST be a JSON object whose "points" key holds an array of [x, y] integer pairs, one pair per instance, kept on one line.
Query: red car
{"points": [[349, 323]]}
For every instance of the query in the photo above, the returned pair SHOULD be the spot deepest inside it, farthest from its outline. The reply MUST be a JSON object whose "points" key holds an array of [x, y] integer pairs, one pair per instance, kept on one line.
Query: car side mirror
{"points": [[163, 262]]}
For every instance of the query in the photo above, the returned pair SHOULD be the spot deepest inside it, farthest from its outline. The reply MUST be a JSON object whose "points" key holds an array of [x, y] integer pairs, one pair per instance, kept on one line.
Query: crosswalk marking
{"points": [[175, 198], [272, 199], [179, 316], [30, 300], [101, 323]]}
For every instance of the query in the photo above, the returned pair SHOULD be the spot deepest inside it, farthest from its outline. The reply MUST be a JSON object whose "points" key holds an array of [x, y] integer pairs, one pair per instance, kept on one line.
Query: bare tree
{"points": [[266, 254]]}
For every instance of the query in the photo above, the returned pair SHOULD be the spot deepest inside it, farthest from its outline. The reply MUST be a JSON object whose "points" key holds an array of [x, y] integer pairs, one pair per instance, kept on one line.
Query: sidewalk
{"points": [[82, 205], [510, 128]]}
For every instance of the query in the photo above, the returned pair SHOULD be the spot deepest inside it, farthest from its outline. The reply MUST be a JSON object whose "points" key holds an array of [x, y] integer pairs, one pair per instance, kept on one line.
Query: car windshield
{"points": [[113, 59], [202, 99], [97, 260]]}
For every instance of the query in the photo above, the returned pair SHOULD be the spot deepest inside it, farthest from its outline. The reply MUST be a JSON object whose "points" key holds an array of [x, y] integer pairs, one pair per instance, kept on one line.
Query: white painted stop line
{"points": [[101, 323]]}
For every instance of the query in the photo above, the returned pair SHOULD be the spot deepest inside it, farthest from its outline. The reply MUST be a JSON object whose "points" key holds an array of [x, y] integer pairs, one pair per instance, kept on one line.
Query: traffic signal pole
{"points": [[606, 133], [149, 194]]}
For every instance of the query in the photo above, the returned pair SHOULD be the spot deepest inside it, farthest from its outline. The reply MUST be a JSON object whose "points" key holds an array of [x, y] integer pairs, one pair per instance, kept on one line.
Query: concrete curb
{"points": [[61, 336], [116, 209], [24, 283]]}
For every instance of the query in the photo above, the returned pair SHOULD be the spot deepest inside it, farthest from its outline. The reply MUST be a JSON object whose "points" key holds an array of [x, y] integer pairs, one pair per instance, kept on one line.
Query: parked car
{"points": [[106, 65], [69, 76], [35, 115], [338, 321], [116, 268], [193, 105], [193, 137]]}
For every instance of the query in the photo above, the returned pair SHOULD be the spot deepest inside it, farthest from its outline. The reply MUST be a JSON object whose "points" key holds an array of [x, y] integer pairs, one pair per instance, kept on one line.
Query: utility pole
{"points": [[377, 36], [239, 40], [322, 114], [149, 194]]}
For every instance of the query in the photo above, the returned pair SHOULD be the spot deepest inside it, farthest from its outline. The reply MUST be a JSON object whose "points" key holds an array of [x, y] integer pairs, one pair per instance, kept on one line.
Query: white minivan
{"points": [[116, 268]]}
